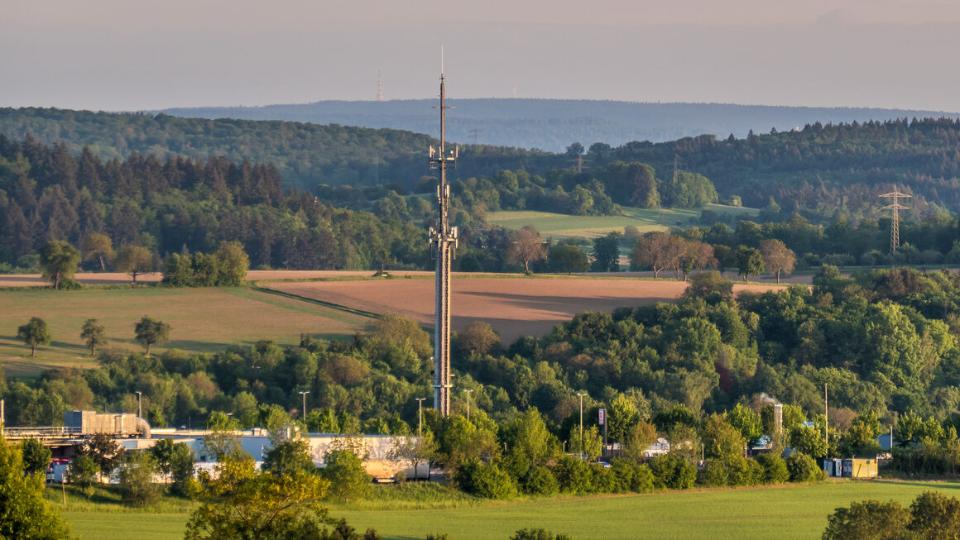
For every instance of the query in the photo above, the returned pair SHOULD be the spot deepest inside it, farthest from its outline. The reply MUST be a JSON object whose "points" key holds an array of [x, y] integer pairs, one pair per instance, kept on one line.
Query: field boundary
{"points": [[331, 305]]}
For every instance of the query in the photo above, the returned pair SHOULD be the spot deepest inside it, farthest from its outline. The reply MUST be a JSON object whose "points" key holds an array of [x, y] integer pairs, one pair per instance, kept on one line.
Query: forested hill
{"points": [[552, 124], [818, 167], [305, 154]]}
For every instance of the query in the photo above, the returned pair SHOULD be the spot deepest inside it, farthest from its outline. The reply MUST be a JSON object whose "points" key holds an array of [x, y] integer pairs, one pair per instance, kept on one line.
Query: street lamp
{"points": [[581, 394], [303, 411], [420, 416], [139, 405]]}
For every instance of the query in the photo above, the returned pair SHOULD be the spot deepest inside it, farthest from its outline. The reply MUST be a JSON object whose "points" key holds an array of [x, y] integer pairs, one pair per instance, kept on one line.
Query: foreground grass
{"points": [[202, 320], [645, 219], [790, 511]]}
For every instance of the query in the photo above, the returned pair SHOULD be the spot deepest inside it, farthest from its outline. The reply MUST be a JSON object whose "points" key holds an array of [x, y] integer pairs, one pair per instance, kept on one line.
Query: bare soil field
{"points": [[514, 305]]}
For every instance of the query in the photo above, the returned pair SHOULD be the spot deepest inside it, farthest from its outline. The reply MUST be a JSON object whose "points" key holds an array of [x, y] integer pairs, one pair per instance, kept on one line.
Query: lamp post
{"points": [[420, 416], [303, 411], [139, 405], [468, 392], [580, 395]]}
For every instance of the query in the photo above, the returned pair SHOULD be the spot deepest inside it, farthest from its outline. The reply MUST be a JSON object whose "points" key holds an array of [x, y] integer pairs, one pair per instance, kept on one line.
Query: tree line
{"points": [[145, 208]]}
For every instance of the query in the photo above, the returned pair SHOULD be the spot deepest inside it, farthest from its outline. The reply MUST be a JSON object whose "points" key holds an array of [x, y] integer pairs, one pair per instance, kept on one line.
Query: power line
{"points": [[895, 208]]}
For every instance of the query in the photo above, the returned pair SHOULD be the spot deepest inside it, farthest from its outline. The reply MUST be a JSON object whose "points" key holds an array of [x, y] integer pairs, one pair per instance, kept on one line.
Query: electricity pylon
{"points": [[444, 239], [895, 208]]}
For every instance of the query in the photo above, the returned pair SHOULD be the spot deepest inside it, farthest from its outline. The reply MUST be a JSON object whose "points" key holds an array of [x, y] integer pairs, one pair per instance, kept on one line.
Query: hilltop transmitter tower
{"points": [[443, 237]]}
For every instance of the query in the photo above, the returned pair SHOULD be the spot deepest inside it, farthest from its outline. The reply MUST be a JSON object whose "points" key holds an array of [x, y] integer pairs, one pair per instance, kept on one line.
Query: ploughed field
{"points": [[790, 511], [514, 305], [282, 305]]}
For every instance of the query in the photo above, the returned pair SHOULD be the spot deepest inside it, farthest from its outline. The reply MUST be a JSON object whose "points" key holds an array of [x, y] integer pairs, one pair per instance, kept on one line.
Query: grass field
{"points": [[779, 512], [566, 226], [204, 319]]}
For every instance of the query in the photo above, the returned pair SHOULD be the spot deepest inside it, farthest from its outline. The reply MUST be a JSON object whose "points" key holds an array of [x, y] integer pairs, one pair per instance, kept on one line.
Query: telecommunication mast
{"points": [[443, 237]]}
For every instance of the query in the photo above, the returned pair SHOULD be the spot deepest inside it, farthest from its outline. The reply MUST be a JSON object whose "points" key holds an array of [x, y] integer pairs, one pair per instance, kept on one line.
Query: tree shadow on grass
{"points": [[932, 483]]}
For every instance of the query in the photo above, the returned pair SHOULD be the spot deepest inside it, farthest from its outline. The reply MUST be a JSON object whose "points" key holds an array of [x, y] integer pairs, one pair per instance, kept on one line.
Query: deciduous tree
{"points": [[95, 245], [527, 247], [149, 332], [134, 260], [59, 260], [777, 257], [24, 511], [34, 334], [94, 335]]}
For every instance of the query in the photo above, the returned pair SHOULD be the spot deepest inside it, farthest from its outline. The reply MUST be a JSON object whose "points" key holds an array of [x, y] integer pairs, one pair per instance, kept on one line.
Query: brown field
{"points": [[514, 305]]}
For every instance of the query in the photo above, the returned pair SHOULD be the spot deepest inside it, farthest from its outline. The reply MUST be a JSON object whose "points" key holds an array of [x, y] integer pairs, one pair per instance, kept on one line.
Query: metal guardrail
{"points": [[42, 432]]}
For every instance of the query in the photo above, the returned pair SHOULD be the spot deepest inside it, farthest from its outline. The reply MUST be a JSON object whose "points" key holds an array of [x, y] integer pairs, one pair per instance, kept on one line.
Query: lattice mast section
{"points": [[895, 207], [443, 237]]}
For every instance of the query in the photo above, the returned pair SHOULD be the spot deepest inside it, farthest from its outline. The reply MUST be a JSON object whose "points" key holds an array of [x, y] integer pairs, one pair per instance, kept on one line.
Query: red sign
{"points": [[603, 416]]}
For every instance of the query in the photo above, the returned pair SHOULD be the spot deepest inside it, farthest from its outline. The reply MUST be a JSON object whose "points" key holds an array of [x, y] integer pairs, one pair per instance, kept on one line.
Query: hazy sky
{"points": [[130, 54]]}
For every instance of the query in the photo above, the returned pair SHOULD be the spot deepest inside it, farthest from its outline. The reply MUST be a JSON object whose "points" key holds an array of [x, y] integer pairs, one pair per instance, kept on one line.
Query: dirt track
{"points": [[514, 306]]}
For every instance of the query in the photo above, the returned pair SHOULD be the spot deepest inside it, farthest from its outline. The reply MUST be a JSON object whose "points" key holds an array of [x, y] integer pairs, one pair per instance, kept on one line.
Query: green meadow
{"points": [[789, 511], [644, 219]]}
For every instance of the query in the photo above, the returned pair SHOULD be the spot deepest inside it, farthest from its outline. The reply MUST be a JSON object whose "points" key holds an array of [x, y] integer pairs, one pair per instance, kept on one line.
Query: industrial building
{"points": [[134, 433]]}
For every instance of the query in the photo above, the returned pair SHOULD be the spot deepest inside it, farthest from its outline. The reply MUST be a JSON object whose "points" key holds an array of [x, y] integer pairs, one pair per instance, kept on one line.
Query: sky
{"points": [[147, 55]]}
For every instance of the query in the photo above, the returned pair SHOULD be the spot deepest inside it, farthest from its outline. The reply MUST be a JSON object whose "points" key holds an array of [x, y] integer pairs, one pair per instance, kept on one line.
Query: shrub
{"points": [[673, 471], [36, 457], [744, 471], [803, 468], [935, 516], [774, 468], [540, 481], [486, 480], [714, 473], [867, 520], [136, 479], [574, 475], [604, 480], [632, 476], [537, 534], [348, 479], [83, 472]]}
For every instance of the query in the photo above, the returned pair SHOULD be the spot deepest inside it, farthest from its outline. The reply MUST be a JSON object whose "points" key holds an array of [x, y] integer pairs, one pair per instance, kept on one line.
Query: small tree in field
{"points": [[134, 260], [149, 332], [97, 246], [59, 260], [34, 334], [234, 264], [93, 334], [527, 247], [777, 257], [749, 262]]}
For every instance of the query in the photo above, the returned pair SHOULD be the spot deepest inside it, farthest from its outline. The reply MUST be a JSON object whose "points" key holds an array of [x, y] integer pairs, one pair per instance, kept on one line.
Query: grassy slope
{"points": [[778, 512], [201, 319], [567, 226]]}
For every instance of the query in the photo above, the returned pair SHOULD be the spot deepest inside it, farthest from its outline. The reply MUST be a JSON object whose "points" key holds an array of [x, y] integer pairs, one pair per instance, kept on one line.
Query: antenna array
{"points": [[444, 238]]}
